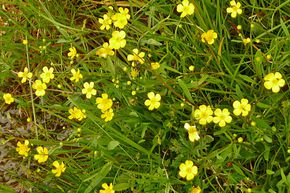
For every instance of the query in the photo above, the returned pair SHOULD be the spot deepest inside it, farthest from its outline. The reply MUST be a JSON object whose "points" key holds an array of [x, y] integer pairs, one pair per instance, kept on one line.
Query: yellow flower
{"points": [[106, 22], [195, 190], [89, 90], [187, 170], [242, 107], [47, 74], [76, 75], [59, 168], [121, 19], [72, 52], [42, 155], [107, 115], [155, 65], [192, 132], [186, 8], [39, 87], [117, 41], [274, 81], [246, 41], [25, 75], [136, 56], [235, 9], [153, 101], [107, 189], [104, 103], [134, 73], [8, 98], [105, 51], [25, 42], [222, 117], [209, 36], [23, 149], [77, 114], [203, 114]]}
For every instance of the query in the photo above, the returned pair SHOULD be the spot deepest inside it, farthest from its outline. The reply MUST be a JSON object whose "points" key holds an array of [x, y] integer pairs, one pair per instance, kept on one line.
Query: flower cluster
{"points": [[76, 113], [105, 104]]}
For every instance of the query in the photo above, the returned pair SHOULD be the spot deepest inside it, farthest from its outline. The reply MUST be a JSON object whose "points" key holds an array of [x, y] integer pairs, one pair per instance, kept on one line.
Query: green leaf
{"points": [[113, 144], [98, 177], [238, 91], [246, 78], [185, 90], [270, 172], [121, 186]]}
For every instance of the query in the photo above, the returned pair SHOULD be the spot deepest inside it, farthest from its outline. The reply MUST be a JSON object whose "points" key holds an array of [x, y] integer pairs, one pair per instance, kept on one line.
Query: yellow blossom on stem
{"points": [[104, 103], [23, 149], [274, 81], [72, 53], [106, 22], [134, 73], [25, 42], [203, 114], [39, 87], [121, 19], [153, 102], [107, 189], [235, 9], [59, 168], [42, 155], [47, 74], [195, 190], [222, 117], [155, 65], [8, 98], [187, 170], [192, 132], [76, 113], [242, 107], [186, 8], [24, 75], [209, 36], [89, 90], [117, 40], [246, 41], [76, 75], [105, 51], [136, 56], [107, 115]]}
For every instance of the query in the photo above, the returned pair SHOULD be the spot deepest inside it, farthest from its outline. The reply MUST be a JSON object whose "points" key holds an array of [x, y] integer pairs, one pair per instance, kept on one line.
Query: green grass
{"points": [[141, 150]]}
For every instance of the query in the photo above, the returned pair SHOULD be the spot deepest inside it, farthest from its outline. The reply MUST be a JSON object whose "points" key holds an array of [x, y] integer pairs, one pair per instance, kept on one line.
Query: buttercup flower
{"points": [[108, 115], [118, 40], [77, 114], [274, 81], [195, 190], [242, 107], [186, 8], [23, 149], [107, 189], [209, 36], [106, 22], [42, 155], [192, 132], [24, 75], [153, 101], [188, 170], [89, 90], [8, 98], [72, 53], [25, 42], [47, 74], [105, 51], [59, 168], [39, 87], [203, 114], [121, 19], [136, 56], [76, 75], [235, 9], [222, 117], [246, 41], [134, 73], [155, 65], [104, 103]]}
